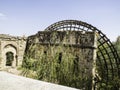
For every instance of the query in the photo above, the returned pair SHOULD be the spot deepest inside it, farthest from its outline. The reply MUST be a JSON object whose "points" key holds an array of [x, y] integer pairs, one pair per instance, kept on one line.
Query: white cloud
{"points": [[2, 16]]}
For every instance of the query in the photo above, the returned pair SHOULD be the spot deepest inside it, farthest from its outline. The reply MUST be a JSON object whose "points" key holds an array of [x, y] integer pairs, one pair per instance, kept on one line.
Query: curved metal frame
{"points": [[107, 57]]}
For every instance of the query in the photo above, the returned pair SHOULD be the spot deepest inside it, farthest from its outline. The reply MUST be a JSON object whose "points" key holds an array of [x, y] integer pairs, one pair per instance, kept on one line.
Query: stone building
{"points": [[11, 51], [75, 45], [74, 50]]}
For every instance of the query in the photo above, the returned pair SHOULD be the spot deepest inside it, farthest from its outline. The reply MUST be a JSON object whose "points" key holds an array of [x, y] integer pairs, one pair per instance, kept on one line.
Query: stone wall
{"points": [[15, 45], [77, 47]]}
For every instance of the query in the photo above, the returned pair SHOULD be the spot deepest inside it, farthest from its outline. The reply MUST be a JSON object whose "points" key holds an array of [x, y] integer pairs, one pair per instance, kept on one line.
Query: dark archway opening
{"points": [[9, 58]]}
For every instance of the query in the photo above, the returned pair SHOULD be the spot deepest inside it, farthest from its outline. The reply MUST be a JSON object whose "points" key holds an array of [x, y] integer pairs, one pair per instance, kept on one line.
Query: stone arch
{"points": [[7, 50]]}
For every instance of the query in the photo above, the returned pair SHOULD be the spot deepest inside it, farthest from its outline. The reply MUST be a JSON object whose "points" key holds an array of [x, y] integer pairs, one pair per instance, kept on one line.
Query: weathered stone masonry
{"points": [[67, 38], [14, 46], [78, 44]]}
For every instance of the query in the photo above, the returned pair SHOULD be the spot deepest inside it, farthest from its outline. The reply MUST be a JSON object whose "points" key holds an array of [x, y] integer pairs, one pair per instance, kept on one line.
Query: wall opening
{"points": [[60, 57], [9, 58]]}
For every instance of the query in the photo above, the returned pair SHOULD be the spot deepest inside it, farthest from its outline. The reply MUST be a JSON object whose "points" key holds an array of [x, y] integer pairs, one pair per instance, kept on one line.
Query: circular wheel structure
{"points": [[108, 61]]}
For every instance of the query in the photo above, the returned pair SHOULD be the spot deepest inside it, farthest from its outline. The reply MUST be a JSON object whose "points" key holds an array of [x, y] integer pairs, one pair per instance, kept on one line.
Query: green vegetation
{"points": [[60, 66], [108, 69], [117, 44]]}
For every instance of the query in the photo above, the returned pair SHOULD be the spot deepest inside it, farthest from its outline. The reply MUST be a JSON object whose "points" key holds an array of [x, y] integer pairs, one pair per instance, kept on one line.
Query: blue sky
{"points": [[27, 17]]}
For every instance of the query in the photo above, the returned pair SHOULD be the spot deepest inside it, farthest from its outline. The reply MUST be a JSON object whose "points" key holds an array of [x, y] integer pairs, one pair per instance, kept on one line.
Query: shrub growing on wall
{"points": [[60, 66], [60, 57]]}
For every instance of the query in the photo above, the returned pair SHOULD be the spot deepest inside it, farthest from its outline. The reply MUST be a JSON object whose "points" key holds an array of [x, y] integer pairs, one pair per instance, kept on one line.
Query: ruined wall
{"points": [[68, 47], [15, 45]]}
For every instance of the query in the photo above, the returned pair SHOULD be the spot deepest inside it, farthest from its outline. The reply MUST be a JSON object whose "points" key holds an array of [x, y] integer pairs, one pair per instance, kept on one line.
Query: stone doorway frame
{"points": [[13, 49]]}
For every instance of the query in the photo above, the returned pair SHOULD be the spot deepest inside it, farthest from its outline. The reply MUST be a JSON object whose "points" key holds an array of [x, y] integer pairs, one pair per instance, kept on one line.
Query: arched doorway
{"points": [[10, 53], [9, 58]]}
